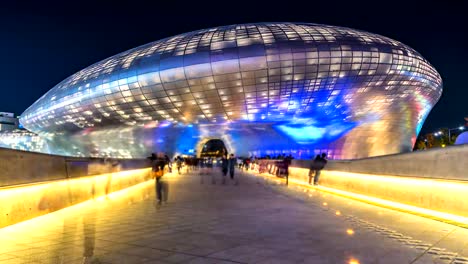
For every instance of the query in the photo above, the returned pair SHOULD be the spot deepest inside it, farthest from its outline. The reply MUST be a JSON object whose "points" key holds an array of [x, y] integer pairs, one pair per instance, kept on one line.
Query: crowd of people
{"points": [[161, 164], [227, 164]]}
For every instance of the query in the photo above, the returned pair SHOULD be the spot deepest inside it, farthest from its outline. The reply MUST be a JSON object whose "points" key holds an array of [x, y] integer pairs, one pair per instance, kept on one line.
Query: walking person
{"points": [[194, 164], [209, 166], [224, 167], [188, 164], [158, 164], [202, 170], [321, 162], [240, 162], [232, 166], [313, 167], [168, 162], [179, 164]]}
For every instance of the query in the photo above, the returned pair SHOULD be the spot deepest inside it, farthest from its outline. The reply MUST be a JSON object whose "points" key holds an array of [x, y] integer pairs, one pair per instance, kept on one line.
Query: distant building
{"points": [[8, 121]]}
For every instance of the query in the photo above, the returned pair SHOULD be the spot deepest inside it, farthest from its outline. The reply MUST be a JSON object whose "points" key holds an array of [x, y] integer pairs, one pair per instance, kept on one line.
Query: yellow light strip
{"points": [[455, 219], [118, 194], [40, 184], [20, 203], [410, 180], [56, 218], [435, 215]]}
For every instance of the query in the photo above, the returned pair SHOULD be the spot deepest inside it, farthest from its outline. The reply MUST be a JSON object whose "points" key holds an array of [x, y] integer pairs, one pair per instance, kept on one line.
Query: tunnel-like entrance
{"points": [[213, 148]]}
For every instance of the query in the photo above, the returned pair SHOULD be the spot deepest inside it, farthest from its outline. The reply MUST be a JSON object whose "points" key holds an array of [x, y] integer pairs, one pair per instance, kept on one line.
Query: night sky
{"points": [[44, 42]]}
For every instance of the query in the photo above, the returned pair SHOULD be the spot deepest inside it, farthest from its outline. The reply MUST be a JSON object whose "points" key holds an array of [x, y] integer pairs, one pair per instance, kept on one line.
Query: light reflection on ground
{"points": [[258, 221]]}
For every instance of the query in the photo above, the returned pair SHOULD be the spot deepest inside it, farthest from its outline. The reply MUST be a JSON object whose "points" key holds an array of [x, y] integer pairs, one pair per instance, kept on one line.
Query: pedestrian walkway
{"points": [[260, 220]]}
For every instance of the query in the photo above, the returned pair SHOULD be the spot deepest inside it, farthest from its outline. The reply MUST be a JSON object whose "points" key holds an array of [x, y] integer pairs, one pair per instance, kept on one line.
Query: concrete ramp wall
{"points": [[434, 182], [22, 167], [34, 184], [442, 163]]}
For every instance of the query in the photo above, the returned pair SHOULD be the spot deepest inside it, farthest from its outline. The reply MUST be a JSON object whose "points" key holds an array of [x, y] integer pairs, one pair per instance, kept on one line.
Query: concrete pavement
{"points": [[258, 221]]}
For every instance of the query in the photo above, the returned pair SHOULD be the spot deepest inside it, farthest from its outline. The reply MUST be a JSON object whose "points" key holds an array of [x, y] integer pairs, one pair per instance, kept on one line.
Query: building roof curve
{"points": [[256, 71]]}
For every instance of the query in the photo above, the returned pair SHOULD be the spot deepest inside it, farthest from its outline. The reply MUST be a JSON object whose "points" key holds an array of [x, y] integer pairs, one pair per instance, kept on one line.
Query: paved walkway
{"points": [[258, 221]]}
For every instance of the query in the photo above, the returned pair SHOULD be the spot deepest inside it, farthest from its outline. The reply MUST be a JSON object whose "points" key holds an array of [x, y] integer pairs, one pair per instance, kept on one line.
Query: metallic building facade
{"points": [[23, 140], [262, 88]]}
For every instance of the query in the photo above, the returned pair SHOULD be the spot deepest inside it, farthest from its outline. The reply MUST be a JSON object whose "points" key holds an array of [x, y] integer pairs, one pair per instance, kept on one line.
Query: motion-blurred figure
{"points": [[158, 164], [232, 166], [224, 168], [320, 161]]}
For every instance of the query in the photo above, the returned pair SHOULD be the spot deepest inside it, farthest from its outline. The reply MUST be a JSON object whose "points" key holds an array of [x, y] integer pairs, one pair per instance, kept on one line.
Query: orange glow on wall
{"points": [[19, 203]]}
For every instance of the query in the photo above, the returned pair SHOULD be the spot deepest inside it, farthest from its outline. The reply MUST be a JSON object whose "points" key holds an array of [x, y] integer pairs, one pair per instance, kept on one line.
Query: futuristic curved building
{"points": [[262, 88]]}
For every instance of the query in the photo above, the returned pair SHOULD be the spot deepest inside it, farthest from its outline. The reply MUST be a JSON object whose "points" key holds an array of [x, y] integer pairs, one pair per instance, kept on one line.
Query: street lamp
{"points": [[455, 128], [440, 133]]}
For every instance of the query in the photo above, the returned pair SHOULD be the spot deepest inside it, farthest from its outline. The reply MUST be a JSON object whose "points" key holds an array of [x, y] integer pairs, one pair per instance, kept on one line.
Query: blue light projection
{"points": [[323, 124], [310, 134], [186, 142]]}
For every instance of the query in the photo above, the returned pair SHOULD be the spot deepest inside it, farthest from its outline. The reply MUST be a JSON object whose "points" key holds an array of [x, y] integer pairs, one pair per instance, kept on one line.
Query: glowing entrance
{"points": [[211, 148]]}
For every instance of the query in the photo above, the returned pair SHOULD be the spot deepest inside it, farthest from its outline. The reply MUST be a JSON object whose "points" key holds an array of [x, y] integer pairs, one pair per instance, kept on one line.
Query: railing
{"points": [[280, 168]]}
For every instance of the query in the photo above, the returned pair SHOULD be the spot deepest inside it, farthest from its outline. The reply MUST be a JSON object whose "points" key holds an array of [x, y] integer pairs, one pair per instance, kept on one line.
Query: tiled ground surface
{"points": [[258, 221]]}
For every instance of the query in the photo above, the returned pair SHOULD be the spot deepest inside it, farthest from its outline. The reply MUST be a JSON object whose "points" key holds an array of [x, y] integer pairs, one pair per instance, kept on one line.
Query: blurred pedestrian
{"points": [[168, 162], [321, 162], [313, 167], [202, 170], [209, 166], [224, 167], [232, 166], [158, 163], [178, 164]]}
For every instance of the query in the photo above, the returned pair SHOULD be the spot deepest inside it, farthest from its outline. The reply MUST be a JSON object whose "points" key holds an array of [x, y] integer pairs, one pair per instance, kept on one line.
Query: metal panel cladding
{"points": [[308, 88]]}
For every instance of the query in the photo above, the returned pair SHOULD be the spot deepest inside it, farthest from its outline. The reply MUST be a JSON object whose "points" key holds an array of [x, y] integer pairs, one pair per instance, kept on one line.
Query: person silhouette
{"points": [[232, 166], [321, 161]]}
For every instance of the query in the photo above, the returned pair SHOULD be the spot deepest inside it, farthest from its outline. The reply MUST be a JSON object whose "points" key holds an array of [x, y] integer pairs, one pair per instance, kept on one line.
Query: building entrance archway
{"points": [[214, 147]]}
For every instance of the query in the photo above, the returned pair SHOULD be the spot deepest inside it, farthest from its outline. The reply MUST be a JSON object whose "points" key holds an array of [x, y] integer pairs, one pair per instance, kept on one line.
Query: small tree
{"points": [[420, 145]]}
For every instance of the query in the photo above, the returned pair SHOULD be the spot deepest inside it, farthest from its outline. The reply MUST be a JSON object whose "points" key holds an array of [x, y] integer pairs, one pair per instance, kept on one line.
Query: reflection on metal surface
{"points": [[23, 140], [263, 89]]}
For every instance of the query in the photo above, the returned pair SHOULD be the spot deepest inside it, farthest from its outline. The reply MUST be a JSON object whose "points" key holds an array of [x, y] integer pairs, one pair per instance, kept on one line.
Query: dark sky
{"points": [[43, 42]]}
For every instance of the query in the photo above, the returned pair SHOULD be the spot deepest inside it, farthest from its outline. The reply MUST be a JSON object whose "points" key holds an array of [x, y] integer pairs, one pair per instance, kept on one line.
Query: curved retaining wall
{"points": [[33, 184], [443, 163], [22, 167], [435, 179]]}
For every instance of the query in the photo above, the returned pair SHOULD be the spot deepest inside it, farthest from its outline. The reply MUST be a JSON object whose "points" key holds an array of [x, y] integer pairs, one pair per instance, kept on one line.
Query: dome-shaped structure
{"points": [[462, 139], [263, 87]]}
